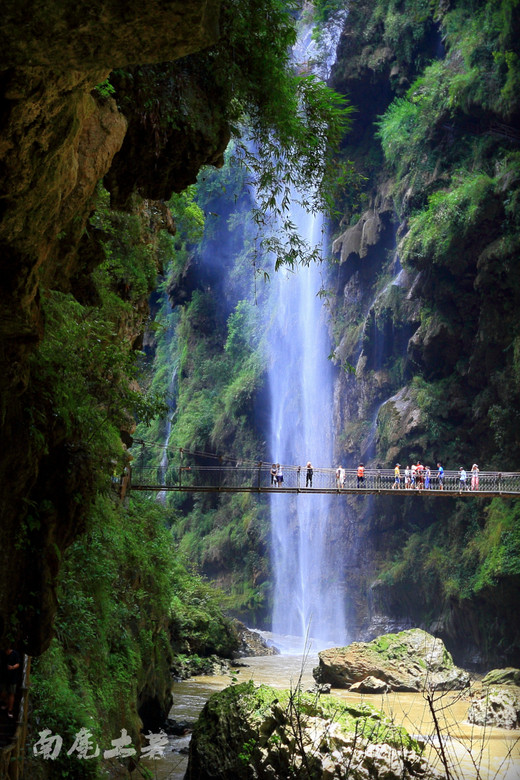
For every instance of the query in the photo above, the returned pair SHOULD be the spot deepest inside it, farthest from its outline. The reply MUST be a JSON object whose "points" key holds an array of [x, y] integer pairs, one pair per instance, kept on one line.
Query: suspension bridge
{"points": [[183, 471]]}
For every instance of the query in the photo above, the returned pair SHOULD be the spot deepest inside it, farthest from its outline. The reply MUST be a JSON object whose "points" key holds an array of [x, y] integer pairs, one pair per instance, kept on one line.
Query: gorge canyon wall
{"points": [[422, 319], [59, 138]]}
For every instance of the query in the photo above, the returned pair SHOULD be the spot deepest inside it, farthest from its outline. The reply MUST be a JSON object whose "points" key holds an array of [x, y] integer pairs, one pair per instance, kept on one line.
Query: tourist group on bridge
{"points": [[416, 476], [420, 477]]}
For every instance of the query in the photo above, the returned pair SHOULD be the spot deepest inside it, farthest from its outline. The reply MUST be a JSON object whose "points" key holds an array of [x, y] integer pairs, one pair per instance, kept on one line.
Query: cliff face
{"points": [[58, 139], [423, 318]]}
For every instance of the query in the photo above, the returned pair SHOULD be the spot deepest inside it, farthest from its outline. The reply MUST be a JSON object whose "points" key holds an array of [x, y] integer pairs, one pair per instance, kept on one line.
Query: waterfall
{"points": [[308, 570]]}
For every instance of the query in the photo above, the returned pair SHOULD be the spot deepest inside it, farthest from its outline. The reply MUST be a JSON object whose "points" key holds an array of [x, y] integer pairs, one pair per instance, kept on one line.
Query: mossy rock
{"points": [[411, 660], [508, 676], [248, 732]]}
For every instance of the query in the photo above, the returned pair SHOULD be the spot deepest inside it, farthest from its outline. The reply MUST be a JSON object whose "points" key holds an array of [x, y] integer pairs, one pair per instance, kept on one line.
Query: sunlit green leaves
{"points": [[287, 126]]}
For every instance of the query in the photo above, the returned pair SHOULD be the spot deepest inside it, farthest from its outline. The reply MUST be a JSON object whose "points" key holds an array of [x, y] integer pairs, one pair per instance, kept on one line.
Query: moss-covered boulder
{"points": [[411, 660], [248, 732], [508, 676]]}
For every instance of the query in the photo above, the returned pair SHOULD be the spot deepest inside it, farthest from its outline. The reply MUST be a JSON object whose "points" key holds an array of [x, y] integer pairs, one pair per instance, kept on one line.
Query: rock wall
{"points": [[423, 366], [59, 138]]}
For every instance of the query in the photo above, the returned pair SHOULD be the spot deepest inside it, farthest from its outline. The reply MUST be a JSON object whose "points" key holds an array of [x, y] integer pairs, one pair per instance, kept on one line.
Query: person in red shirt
{"points": [[420, 475]]}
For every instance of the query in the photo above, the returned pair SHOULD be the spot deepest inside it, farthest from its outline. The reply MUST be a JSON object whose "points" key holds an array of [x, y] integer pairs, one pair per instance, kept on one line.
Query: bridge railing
{"points": [[257, 476]]}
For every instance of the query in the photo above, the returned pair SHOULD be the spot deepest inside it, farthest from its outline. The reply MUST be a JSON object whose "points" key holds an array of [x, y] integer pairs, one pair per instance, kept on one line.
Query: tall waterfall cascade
{"points": [[308, 570]]}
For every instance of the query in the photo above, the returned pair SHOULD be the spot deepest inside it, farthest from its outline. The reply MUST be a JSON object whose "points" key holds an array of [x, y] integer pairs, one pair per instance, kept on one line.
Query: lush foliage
{"points": [[470, 554], [85, 368], [127, 603], [210, 357], [287, 124], [458, 179], [447, 126], [324, 9], [295, 121]]}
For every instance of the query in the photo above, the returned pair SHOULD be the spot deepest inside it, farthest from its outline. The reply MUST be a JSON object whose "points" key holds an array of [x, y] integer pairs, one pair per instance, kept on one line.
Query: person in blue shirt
{"points": [[440, 476]]}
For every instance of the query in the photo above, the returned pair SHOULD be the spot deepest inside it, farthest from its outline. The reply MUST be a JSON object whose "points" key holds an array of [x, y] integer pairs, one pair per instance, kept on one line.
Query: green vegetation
{"points": [[362, 719], [324, 9], [466, 556], [215, 343], [286, 125], [295, 121], [126, 600], [434, 88], [298, 731], [84, 390], [126, 604], [451, 160]]}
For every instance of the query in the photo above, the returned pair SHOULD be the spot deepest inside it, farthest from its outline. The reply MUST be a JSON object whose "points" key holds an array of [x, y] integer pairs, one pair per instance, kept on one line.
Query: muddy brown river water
{"points": [[473, 752]]}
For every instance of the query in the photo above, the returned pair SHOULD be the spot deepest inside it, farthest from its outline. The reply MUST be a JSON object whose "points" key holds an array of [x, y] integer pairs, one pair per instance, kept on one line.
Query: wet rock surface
{"points": [[190, 666], [411, 660], [60, 136], [371, 685], [251, 643]]}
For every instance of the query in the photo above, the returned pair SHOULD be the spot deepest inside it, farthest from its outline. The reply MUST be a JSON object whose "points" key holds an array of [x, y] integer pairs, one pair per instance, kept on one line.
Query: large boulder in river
{"points": [[411, 660], [245, 732], [496, 705]]}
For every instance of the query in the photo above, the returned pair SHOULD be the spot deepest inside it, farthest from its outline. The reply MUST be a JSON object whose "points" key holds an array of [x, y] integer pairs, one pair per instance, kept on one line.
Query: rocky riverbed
{"points": [[474, 752]]}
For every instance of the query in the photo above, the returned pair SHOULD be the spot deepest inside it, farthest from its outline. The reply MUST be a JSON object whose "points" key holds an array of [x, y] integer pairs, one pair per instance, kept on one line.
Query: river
{"points": [[476, 753]]}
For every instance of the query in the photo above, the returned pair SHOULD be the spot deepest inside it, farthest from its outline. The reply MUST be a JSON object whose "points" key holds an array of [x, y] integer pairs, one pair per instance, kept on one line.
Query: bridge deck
{"points": [[253, 478], [332, 491]]}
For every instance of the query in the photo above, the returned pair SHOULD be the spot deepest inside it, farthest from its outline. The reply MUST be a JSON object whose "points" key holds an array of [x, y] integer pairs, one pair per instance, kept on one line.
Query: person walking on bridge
{"points": [[273, 474], [397, 476], [279, 475], [340, 477], [474, 476], [360, 475], [462, 478], [440, 476], [308, 477]]}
